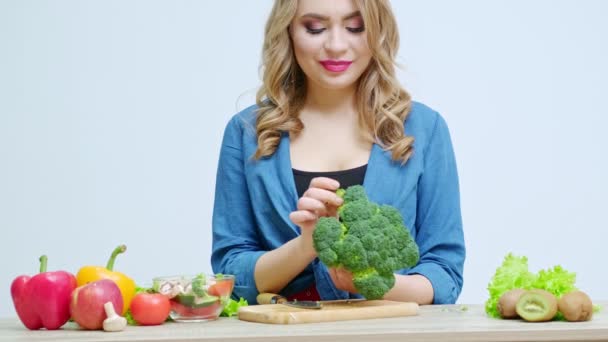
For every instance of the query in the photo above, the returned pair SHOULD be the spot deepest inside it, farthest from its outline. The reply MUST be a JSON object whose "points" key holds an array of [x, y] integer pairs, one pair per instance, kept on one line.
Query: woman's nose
{"points": [[336, 41]]}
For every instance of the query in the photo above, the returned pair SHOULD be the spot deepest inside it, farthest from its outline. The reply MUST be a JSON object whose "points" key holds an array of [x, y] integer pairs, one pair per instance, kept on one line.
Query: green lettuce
{"points": [[556, 280], [232, 307], [514, 274]]}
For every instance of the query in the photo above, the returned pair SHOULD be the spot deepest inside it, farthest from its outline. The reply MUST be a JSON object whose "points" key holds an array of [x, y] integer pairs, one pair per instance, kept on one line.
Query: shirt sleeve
{"points": [[439, 232], [236, 247]]}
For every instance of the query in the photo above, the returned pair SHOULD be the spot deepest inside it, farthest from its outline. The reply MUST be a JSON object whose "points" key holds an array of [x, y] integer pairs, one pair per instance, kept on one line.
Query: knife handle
{"points": [[270, 298]]}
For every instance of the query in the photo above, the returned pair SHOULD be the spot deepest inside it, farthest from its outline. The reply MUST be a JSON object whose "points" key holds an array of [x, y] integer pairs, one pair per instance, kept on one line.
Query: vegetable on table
{"points": [[222, 287], [514, 285], [87, 306], [150, 308], [43, 301], [128, 315], [198, 286], [169, 289], [369, 240], [507, 303], [114, 322], [576, 306], [232, 307], [194, 302], [172, 288], [536, 306], [126, 285], [195, 294], [200, 297], [207, 310]]}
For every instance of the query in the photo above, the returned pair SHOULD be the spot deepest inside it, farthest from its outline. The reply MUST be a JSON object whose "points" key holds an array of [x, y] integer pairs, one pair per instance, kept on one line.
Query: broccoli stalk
{"points": [[369, 240]]}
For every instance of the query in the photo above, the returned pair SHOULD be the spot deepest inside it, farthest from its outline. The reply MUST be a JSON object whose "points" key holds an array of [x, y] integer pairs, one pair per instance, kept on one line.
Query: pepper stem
{"points": [[117, 250], [43, 259]]}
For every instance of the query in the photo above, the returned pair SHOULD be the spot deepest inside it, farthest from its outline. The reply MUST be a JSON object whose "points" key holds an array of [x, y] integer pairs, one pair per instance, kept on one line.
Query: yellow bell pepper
{"points": [[88, 274]]}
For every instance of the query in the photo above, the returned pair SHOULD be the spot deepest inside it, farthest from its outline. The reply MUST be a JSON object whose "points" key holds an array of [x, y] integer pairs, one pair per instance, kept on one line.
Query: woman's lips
{"points": [[335, 66]]}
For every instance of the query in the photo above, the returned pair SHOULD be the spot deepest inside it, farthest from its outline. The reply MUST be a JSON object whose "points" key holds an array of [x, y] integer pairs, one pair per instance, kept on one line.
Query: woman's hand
{"points": [[319, 200], [271, 273], [343, 279]]}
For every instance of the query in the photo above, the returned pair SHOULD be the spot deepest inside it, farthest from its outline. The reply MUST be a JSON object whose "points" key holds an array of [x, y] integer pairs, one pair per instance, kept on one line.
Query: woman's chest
{"points": [[274, 194], [328, 153]]}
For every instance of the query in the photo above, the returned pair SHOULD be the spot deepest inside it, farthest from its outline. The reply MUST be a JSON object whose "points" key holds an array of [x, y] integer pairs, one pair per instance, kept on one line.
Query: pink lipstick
{"points": [[335, 65]]}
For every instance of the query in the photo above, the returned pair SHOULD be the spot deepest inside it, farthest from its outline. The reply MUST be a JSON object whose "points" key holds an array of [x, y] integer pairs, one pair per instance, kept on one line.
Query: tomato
{"points": [[210, 311], [150, 308], [222, 288]]}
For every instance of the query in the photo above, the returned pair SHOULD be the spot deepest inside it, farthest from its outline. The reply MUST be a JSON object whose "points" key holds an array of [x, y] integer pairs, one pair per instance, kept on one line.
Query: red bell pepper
{"points": [[44, 299]]}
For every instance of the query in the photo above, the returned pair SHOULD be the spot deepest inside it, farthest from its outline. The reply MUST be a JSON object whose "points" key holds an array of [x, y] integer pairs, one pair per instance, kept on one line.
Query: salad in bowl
{"points": [[196, 298]]}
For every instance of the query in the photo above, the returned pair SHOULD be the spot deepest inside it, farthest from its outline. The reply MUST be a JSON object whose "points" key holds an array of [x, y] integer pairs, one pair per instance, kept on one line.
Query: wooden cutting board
{"points": [[283, 314]]}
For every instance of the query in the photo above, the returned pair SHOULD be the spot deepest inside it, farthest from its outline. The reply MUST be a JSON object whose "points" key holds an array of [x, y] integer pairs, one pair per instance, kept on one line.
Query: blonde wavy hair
{"points": [[382, 103]]}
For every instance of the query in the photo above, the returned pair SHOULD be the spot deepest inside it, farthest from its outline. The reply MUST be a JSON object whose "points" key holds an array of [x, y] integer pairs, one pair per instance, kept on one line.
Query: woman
{"points": [[331, 114]]}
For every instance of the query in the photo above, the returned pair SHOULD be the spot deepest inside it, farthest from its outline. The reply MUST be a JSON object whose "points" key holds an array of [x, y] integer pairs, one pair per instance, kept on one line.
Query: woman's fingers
{"points": [[332, 274], [320, 199], [324, 183], [336, 278], [313, 205], [300, 217], [324, 196], [343, 279]]}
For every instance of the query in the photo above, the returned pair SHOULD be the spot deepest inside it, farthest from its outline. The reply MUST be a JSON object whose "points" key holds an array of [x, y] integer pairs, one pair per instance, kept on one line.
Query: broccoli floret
{"points": [[357, 210], [372, 284], [352, 193], [198, 285], [329, 231], [369, 240]]}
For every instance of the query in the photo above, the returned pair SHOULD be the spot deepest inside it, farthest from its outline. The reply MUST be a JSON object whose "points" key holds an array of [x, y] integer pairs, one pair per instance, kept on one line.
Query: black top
{"points": [[346, 178]]}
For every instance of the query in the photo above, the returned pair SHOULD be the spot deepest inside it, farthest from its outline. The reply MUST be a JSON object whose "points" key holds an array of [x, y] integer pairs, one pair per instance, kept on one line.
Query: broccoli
{"points": [[368, 239], [198, 285]]}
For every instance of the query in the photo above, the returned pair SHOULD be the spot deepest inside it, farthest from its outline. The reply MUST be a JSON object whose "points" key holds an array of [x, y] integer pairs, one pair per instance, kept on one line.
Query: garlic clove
{"points": [[113, 322]]}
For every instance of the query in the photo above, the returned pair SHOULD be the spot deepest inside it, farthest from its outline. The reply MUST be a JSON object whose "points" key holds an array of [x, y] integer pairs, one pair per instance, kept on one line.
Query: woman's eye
{"points": [[356, 29], [314, 31]]}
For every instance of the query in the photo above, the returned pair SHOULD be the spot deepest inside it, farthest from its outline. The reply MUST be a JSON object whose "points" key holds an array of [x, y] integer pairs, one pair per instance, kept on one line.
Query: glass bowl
{"points": [[196, 298]]}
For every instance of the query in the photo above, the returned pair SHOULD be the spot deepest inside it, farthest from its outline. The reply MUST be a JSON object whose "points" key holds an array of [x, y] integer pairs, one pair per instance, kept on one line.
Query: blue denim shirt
{"points": [[253, 199]]}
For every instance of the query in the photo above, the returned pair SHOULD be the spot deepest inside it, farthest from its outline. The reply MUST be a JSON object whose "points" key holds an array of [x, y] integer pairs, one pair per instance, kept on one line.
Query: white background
{"points": [[111, 116]]}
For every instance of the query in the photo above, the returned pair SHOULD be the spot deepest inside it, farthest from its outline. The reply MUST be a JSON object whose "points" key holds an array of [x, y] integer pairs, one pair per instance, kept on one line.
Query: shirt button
{"points": [[308, 293]]}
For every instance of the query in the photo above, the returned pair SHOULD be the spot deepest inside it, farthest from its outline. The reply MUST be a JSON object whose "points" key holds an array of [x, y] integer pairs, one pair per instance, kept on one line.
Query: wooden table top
{"points": [[434, 323]]}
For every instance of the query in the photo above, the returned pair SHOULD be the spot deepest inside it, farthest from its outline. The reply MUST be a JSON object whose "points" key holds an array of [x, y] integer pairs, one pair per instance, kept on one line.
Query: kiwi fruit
{"points": [[506, 303], [536, 306], [576, 306]]}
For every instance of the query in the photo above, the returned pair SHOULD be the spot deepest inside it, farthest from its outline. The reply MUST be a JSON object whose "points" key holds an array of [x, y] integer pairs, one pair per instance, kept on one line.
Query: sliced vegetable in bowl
{"points": [[186, 313], [196, 298], [221, 288]]}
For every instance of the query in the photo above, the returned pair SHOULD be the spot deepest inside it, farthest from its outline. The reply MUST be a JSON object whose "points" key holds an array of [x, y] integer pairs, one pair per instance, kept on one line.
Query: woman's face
{"points": [[330, 42]]}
